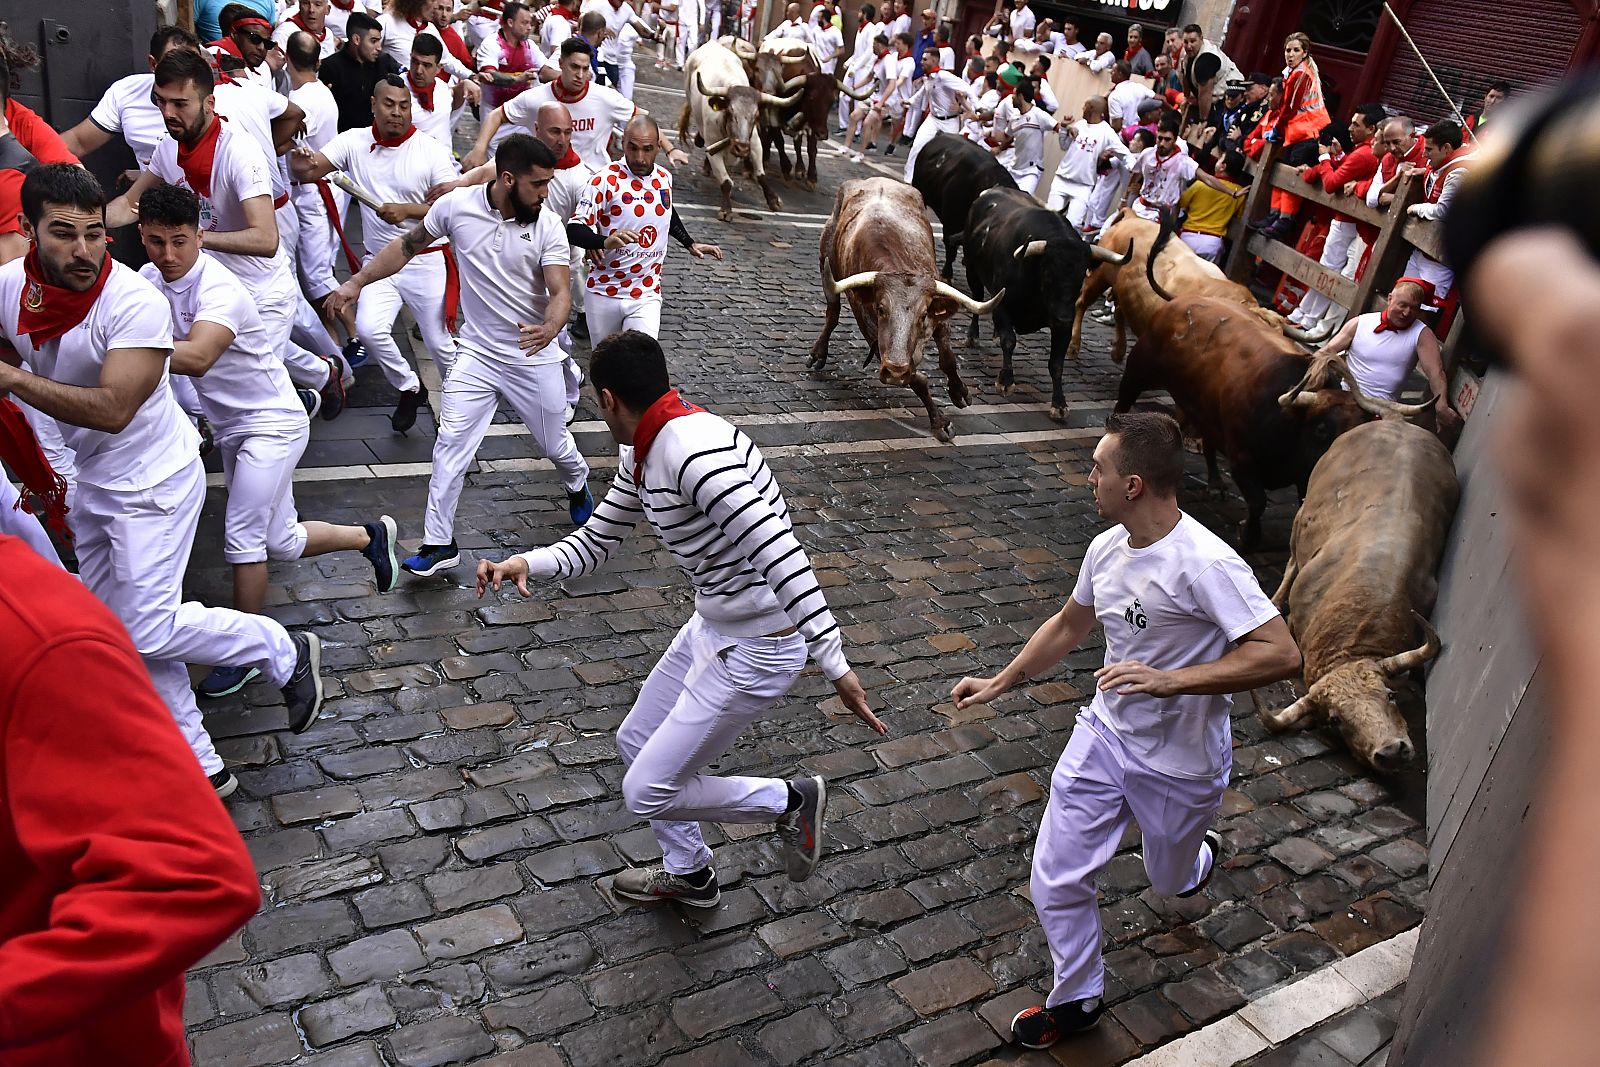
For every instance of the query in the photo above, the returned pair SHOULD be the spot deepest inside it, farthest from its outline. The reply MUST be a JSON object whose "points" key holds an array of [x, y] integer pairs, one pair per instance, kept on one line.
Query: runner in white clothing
{"points": [[316, 208], [261, 429], [432, 101], [947, 99], [311, 16], [759, 613], [402, 22], [1085, 145], [620, 16], [339, 16], [90, 341], [513, 261], [398, 167], [1160, 174], [624, 219], [1185, 624], [1025, 127]]}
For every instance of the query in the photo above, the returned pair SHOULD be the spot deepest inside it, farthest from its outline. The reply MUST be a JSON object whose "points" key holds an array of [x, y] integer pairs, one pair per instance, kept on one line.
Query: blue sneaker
{"points": [[580, 506], [380, 552], [312, 401], [226, 681], [355, 354], [431, 559]]}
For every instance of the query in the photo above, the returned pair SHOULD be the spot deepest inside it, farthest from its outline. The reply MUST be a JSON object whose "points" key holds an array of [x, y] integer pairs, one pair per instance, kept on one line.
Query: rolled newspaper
{"points": [[343, 181]]}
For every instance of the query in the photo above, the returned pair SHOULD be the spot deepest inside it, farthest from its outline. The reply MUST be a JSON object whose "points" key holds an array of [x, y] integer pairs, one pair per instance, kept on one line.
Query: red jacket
{"points": [[119, 868], [1358, 165], [34, 134]]}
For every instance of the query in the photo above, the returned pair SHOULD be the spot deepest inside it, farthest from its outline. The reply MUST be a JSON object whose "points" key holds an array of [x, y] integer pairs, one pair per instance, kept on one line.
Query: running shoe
{"points": [[800, 830], [355, 354], [224, 783], [303, 693], [1213, 841], [333, 392], [658, 883], [208, 438], [405, 412], [431, 559], [380, 552], [1041, 1027], [580, 506], [226, 681], [311, 399]]}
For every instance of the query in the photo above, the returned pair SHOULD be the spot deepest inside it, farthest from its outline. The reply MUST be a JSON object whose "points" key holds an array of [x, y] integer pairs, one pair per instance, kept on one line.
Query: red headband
{"points": [[238, 23], [1423, 284]]}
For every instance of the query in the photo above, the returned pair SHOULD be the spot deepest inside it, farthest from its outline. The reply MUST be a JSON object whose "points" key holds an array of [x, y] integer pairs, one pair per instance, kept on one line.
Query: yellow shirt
{"points": [[1210, 211]]}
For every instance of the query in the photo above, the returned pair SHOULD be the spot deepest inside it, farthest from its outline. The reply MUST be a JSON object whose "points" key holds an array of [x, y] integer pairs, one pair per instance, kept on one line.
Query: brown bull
{"points": [[1164, 268], [1366, 546], [1249, 392], [877, 250]]}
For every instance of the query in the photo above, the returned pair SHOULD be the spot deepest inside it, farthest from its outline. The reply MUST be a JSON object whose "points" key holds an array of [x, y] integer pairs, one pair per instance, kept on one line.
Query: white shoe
{"points": [[1296, 318], [572, 413], [857, 157]]}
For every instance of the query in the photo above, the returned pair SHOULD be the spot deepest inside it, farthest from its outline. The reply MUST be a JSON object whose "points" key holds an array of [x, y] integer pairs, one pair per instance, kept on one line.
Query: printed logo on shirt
{"points": [[526, 236], [582, 125], [1136, 617]]}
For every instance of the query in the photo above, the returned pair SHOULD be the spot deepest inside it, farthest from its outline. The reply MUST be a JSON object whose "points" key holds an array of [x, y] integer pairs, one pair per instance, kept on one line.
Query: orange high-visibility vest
{"points": [[1302, 99]]}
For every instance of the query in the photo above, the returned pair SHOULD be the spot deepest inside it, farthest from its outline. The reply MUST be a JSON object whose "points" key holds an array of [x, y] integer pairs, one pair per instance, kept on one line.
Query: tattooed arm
{"points": [[388, 262]]}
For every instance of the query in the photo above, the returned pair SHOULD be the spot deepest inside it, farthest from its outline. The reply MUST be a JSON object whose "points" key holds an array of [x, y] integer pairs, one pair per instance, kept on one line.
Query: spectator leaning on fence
{"points": [[1301, 118], [1448, 162], [1357, 165]]}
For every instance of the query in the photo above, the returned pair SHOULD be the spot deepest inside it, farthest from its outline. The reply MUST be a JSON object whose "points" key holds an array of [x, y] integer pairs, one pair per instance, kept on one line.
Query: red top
{"points": [[1304, 114], [456, 47], [1358, 165], [121, 868], [46, 144]]}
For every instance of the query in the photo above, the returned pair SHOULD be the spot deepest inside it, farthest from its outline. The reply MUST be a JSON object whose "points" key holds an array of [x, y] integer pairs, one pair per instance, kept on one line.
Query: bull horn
{"points": [[1385, 409], [1408, 661], [796, 82], [855, 281], [1289, 717], [717, 146], [1306, 337], [769, 100], [699, 83], [1032, 248], [977, 307], [845, 89], [1106, 255], [1299, 396], [741, 47]]}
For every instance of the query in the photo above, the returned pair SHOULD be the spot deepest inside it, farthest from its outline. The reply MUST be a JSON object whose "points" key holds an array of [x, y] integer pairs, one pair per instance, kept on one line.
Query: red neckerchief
{"points": [[197, 159], [345, 5], [1384, 325], [1127, 57], [670, 406], [557, 92], [319, 36], [48, 311], [932, 70], [22, 454], [1457, 159], [380, 142], [418, 24], [568, 161], [423, 96]]}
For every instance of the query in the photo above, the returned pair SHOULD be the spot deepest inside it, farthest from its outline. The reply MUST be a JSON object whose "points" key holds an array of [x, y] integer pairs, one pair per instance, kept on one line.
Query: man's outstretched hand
{"points": [[491, 574], [851, 695]]}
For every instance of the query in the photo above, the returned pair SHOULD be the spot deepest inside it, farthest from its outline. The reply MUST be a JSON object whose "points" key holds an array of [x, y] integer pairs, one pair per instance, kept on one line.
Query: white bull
{"points": [[724, 108]]}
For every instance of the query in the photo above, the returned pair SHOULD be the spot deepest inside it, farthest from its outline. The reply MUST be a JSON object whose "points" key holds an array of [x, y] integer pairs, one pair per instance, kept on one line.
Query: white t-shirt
{"points": [[399, 175], [160, 440], [250, 109], [901, 24], [501, 263], [1381, 362], [1076, 48], [826, 40], [434, 123], [627, 39], [338, 19], [1022, 22], [125, 108], [1098, 63], [594, 115], [616, 18], [1125, 98], [617, 200], [247, 388], [327, 44], [1027, 132], [566, 190], [238, 172], [556, 29], [1176, 603], [1082, 144], [943, 92], [322, 112], [399, 33], [1164, 179]]}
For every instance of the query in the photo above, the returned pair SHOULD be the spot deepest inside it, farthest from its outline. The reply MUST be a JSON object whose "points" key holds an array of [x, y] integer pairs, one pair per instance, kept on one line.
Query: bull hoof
{"points": [[1004, 387], [724, 214], [816, 361], [942, 433], [774, 203], [1058, 412]]}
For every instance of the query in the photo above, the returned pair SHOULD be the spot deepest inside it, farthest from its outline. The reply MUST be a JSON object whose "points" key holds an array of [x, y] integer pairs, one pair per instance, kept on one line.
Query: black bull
{"points": [[1015, 244], [950, 173]]}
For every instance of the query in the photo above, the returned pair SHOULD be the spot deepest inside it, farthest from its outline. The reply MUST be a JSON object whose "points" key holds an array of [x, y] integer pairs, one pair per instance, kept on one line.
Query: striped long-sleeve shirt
{"points": [[717, 507]]}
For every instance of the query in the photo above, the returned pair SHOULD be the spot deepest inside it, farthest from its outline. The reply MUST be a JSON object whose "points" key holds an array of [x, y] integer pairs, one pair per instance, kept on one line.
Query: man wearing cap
{"points": [[1223, 114], [1382, 347]]}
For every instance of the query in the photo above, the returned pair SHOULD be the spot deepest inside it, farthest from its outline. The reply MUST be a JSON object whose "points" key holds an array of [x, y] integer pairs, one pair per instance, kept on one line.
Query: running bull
{"points": [[1032, 254], [951, 173], [877, 251], [1361, 578], [724, 107], [1250, 392]]}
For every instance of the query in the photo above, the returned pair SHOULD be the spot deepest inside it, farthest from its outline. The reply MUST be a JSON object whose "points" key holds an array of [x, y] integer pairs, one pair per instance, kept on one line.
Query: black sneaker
{"points": [[889, 151], [579, 327], [405, 412], [380, 552], [801, 829], [224, 783], [1213, 841], [431, 559], [657, 883], [208, 439], [333, 393], [303, 694], [1041, 1027]]}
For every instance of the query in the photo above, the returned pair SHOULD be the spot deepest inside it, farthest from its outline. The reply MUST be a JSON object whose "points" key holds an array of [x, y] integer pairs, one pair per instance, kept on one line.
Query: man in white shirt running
{"points": [[1382, 348], [1161, 173], [513, 259], [946, 99], [1085, 144], [310, 16], [140, 482], [316, 208], [1025, 126], [1185, 624], [614, 47], [624, 219], [759, 613], [261, 430], [398, 167]]}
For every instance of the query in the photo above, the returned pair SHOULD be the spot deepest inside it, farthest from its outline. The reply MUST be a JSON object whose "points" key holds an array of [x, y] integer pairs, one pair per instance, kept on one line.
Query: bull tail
{"points": [[683, 122], [1155, 250]]}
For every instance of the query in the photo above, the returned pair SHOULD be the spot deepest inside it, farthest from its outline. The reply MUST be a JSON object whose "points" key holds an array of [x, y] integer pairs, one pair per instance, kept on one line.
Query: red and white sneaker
{"points": [[801, 829]]}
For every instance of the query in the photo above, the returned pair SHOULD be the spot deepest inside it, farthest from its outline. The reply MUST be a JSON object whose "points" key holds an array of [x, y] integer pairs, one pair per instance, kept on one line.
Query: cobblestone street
{"points": [[436, 852]]}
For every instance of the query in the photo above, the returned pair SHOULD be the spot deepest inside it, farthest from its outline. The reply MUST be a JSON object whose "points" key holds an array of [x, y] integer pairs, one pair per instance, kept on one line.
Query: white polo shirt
{"points": [[238, 172], [1027, 134], [616, 18], [594, 114], [125, 109], [247, 388], [160, 440], [501, 263], [617, 200], [1181, 601], [399, 175], [566, 191], [556, 29], [250, 109]]}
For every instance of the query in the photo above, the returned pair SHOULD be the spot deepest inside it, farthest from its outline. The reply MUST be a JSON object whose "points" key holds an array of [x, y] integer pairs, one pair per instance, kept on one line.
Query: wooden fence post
{"points": [[1240, 263]]}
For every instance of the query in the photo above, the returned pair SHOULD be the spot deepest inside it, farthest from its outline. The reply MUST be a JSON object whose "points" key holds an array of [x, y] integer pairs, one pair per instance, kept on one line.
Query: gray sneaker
{"points": [[303, 694], [651, 884], [801, 829]]}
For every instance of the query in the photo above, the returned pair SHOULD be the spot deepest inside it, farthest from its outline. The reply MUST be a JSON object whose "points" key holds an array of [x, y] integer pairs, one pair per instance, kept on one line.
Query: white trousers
{"points": [[1108, 190], [1335, 253], [626, 75], [1072, 196], [701, 695], [607, 315], [133, 549], [473, 390], [688, 31], [716, 21], [260, 521], [319, 245], [927, 130], [184, 393], [1207, 246], [419, 286], [1027, 181], [1096, 786], [14, 522], [1430, 270], [279, 314]]}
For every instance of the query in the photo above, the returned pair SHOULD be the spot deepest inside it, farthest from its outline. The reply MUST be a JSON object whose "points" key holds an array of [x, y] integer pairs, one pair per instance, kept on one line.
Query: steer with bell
{"points": [[1361, 581], [724, 108], [877, 251]]}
